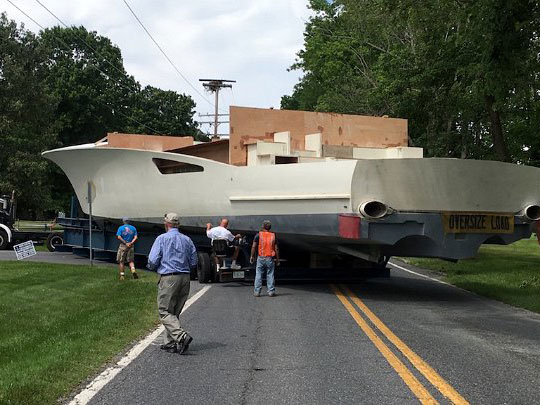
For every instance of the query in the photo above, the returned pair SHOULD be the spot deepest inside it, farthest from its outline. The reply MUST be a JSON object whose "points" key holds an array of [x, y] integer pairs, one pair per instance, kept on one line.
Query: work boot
{"points": [[184, 344]]}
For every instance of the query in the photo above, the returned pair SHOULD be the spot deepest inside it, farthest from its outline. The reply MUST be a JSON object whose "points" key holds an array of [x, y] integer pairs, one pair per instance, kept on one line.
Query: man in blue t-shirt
{"points": [[127, 235]]}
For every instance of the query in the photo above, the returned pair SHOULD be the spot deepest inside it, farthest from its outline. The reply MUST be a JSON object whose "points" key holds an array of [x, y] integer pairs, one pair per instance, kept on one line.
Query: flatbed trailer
{"points": [[294, 266]]}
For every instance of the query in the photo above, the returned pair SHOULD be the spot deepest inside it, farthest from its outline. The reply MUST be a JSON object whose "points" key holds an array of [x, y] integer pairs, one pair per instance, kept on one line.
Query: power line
{"points": [[164, 54], [94, 65], [27, 16]]}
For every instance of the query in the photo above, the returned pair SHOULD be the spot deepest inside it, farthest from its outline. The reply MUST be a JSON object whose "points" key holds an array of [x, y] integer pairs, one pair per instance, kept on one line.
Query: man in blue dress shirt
{"points": [[172, 256]]}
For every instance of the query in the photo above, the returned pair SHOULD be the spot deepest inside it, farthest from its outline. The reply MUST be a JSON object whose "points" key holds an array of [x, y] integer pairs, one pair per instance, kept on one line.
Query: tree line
{"points": [[465, 73], [67, 86]]}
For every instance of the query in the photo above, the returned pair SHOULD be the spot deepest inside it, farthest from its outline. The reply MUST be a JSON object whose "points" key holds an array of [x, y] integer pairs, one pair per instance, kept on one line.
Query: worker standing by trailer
{"points": [[127, 235], [265, 244]]}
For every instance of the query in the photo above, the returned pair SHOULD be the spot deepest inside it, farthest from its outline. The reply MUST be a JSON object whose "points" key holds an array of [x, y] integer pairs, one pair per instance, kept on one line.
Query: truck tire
{"points": [[3, 239], [53, 240], [204, 268]]}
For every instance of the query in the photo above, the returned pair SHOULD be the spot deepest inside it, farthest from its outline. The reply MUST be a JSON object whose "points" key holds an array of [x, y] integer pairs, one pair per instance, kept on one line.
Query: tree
{"points": [[464, 73], [26, 111], [87, 75], [157, 111], [97, 96]]}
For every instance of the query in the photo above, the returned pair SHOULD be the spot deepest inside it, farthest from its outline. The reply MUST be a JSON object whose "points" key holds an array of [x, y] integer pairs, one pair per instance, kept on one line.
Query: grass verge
{"points": [[61, 323], [510, 274]]}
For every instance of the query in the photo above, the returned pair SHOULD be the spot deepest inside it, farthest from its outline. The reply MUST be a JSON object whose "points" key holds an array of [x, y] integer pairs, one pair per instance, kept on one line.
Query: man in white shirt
{"points": [[221, 232]]}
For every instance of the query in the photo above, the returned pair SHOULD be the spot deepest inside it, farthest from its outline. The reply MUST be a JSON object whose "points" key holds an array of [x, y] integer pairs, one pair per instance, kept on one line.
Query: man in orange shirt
{"points": [[265, 244]]}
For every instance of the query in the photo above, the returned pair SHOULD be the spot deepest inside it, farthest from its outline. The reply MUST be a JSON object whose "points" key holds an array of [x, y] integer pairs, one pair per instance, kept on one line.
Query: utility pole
{"points": [[214, 86]]}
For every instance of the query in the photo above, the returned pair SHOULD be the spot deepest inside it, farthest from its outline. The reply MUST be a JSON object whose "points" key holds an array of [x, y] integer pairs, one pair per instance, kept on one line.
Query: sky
{"points": [[251, 41]]}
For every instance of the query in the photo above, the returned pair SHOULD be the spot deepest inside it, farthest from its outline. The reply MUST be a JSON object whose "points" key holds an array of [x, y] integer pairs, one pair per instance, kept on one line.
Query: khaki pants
{"points": [[172, 295]]}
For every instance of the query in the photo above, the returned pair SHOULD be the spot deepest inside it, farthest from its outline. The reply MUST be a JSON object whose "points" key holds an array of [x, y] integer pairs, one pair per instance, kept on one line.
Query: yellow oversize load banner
{"points": [[474, 222]]}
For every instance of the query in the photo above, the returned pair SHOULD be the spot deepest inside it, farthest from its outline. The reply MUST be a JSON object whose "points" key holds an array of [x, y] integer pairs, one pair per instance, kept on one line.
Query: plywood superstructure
{"points": [[267, 136], [146, 142], [248, 125]]}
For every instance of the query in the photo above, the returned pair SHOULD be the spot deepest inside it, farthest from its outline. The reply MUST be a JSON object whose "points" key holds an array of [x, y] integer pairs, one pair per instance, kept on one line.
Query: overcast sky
{"points": [[250, 41]]}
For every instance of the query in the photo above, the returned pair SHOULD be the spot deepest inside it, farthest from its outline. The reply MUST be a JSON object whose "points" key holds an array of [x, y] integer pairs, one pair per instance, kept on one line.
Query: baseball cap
{"points": [[172, 218], [125, 219]]}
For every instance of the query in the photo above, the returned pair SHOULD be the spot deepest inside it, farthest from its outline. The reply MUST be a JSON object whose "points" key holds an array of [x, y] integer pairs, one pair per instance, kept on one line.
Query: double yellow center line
{"points": [[345, 295]]}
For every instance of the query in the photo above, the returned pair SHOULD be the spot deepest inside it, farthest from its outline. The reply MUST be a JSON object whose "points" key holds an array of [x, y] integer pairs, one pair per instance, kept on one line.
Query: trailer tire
{"points": [[204, 268], [3, 239], [53, 240]]}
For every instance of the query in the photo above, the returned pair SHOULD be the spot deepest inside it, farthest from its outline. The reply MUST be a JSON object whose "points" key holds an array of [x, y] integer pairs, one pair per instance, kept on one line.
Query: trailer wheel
{"points": [[3, 239], [204, 268], [54, 240]]}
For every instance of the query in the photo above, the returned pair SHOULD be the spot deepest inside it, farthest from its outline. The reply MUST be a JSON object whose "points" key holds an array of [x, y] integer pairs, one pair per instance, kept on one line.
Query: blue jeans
{"points": [[264, 263]]}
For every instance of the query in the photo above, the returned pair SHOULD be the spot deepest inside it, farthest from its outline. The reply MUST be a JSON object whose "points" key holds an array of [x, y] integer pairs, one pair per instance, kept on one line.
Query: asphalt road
{"points": [[305, 346], [405, 339]]}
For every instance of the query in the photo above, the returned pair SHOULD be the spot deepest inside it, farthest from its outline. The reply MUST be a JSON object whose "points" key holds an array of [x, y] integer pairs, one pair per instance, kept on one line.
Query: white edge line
{"points": [[106, 376], [421, 275]]}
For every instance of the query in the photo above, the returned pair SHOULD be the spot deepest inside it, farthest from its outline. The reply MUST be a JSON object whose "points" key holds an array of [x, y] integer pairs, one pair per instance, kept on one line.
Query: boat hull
{"points": [[314, 207]]}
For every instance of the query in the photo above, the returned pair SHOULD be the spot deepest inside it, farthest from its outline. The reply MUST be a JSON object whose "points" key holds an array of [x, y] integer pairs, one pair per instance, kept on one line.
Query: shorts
{"points": [[125, 254]]}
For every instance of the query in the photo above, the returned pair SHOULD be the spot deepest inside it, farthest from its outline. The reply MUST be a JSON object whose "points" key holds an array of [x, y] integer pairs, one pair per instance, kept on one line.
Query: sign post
{"points": [[90, 220]]}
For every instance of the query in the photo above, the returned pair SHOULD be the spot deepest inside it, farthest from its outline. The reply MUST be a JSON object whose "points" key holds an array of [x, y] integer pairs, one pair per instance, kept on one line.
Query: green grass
{"points": [[61, 323], [509, 274]]}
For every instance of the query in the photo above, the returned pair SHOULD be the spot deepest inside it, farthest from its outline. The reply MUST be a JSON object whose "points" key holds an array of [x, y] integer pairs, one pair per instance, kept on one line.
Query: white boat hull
{"points": [[312, 205]]}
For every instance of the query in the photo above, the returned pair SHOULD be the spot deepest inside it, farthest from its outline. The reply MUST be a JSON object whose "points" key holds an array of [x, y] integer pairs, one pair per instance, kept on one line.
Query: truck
{"points": [[10, 235]]}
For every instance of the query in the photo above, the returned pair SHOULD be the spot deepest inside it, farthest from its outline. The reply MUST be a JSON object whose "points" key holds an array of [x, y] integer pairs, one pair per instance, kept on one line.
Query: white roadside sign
{"points": [[24, 250]]}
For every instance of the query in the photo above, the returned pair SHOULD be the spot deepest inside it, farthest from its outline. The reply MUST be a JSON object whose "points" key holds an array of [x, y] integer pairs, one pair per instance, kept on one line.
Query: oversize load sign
{"points": [[474, 222], [24, 250]]}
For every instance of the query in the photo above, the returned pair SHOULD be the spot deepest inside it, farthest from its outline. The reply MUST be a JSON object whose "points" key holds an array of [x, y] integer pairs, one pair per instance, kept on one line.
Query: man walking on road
{"points": [[265, 244], [173, 254], [127, 235]]}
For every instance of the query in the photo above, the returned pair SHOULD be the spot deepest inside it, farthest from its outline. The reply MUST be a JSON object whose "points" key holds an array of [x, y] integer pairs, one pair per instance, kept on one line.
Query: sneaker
{"points": [[235, 266], [184, 344], [122, 277], [169, 347], [257, 294], [135, 275], [272, 294]]}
